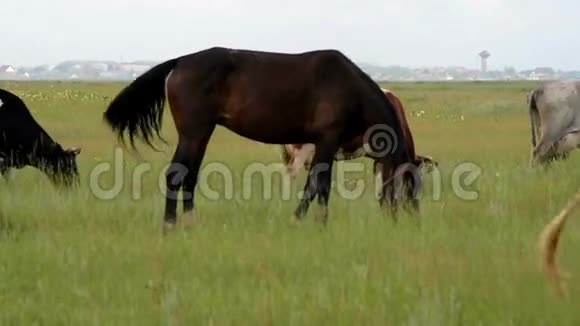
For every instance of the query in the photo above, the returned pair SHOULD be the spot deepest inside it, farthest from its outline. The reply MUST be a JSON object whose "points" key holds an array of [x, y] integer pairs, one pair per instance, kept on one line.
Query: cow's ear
{"points": [[73, 150]]}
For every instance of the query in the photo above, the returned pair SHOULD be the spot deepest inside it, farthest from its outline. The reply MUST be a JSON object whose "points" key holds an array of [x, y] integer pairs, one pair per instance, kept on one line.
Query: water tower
{"points": [[484, 55]]}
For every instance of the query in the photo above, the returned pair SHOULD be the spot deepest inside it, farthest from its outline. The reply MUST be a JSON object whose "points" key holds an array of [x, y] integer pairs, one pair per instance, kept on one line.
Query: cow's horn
{"points": [[74, 150]]}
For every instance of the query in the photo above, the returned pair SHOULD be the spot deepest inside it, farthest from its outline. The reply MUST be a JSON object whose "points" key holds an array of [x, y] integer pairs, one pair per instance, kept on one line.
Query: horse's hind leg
{"points": [[196, 149], [184, 170], [174, 181]]}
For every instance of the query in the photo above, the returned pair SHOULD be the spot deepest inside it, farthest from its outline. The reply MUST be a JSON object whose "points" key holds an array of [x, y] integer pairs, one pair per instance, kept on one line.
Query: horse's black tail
{"points": [[138, 108]]}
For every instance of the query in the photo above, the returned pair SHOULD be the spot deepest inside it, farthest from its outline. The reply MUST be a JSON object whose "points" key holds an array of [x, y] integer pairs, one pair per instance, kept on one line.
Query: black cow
{"points": [[23, 142]]}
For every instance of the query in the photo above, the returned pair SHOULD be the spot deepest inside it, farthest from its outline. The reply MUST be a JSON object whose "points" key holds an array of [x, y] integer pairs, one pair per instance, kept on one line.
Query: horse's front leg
{"points": [[319, 178]]}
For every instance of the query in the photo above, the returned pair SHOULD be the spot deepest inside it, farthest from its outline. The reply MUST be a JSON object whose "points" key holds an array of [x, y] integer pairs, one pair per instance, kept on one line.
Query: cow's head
{"points": [[426, 162], [61, 165]]}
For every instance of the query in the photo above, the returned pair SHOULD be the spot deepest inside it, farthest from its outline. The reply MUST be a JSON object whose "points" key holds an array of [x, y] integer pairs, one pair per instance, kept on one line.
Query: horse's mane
{"points": [[371, 83]]}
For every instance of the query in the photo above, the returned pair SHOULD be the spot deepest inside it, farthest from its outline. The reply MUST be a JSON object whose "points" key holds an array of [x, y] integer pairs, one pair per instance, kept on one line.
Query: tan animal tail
{"points": [[285, 155], [548, 244]]}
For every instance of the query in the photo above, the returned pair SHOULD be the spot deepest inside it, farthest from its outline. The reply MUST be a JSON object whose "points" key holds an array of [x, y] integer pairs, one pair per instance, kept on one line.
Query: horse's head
{"points": [[403, 182], [61, 166]]}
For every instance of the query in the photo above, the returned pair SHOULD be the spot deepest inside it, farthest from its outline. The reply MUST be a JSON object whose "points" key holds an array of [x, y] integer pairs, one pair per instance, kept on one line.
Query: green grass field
{"points": [[74, 258]]}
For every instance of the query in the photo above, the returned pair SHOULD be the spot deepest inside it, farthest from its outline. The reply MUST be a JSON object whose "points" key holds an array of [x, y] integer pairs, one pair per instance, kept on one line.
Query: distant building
{"points": [[7, 69], [135, 68], [112, 70], [542, 73]]}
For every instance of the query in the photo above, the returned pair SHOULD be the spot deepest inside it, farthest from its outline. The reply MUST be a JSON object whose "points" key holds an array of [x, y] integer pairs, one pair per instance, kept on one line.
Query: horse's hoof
{"points": [[168, 227], [189, 220], [322, 222], [295, 220], [322, 215]]}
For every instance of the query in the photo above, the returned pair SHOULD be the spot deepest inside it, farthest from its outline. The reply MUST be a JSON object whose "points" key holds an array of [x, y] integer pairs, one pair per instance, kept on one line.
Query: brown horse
{"points": [[318, 97], [296, 156]]}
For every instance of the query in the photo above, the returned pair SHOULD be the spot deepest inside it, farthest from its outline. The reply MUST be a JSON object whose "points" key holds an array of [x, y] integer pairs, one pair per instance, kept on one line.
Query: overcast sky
{"points": [[519, 33]]}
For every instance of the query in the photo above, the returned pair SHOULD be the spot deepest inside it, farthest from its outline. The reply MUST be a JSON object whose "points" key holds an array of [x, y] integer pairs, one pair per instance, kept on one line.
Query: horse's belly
{"points": [[270, 133]]}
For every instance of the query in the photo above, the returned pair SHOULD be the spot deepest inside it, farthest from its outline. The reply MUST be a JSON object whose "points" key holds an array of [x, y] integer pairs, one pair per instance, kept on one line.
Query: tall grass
{"points": [[72, 258]]}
